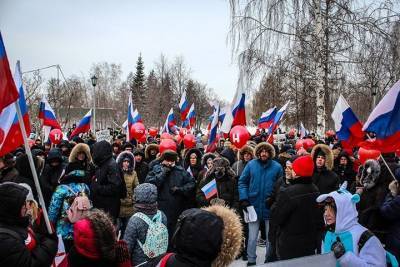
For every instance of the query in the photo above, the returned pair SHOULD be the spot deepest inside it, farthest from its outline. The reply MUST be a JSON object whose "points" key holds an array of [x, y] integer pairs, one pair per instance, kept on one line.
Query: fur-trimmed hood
{"points": [[232, 236], [206, 156], [267, 146], [186, 161], [150, 147], [81, 147], [122, 156], [328, 155], [245, 149], [221, 162]]}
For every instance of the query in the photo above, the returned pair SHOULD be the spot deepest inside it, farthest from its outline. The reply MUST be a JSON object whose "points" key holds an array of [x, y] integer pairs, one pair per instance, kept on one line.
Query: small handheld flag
{"points": [[210, 189]]}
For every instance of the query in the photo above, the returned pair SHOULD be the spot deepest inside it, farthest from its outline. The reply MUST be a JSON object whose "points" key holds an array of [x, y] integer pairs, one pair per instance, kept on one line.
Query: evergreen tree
{"points": [[138, 88]]}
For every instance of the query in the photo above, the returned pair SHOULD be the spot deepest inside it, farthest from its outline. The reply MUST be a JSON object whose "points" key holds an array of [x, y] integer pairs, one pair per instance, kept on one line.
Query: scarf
{"points": [[147, 208]]}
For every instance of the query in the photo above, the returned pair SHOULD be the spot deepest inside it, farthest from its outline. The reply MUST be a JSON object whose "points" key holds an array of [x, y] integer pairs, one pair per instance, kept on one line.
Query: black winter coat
{"points": [[107, 186], [172, 203], [390, 209], [297, 217], [141, 169], [325, 180]]}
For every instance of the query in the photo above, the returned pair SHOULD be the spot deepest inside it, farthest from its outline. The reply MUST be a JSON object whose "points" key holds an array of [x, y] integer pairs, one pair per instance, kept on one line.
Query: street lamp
{"points": [[94, 82]]}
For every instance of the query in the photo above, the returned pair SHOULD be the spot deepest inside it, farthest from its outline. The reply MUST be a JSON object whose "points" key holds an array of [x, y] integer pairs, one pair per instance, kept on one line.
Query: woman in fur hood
{"points": [[206, 164], [324, 178], [245, 154], [80, 159], [225, 179]]}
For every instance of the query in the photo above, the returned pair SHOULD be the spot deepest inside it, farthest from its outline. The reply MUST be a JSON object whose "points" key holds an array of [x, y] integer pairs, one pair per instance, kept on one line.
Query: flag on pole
{"points": [[267, 118], [47, 114], [239, 110], [277, 119], [213, 132], [8, 90], [10, 130], [170, 125], [347, 126], [210, 189], [83, 126], [384, 121], [184, 107], [190, 119], [303, 131]]}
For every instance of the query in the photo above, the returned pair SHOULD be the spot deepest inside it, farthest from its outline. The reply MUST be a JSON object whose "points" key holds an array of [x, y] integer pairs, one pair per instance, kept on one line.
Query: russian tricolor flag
{"points": [[213, 132], [184, 107], [10, 130], [170, 125], [277, 119], [190, 120], [8, 91], [384, 121], [267, 118], [47, 114], [83, 126], [239, 111], [347, 126], [222, 114], [303, 131], [210, 189]]}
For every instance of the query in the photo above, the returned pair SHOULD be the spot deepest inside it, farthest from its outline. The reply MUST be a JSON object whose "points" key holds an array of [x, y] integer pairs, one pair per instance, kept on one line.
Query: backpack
{"points": [[365, 236], [156, 242], [79, 205]]}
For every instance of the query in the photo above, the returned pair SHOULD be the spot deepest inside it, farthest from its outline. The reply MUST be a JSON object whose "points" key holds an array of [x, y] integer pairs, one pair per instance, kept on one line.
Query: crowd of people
{"points": [[130, 204]]}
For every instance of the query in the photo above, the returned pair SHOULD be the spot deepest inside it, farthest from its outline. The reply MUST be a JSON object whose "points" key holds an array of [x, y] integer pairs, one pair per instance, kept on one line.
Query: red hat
{"points": [[84, 239], [303, 166]]}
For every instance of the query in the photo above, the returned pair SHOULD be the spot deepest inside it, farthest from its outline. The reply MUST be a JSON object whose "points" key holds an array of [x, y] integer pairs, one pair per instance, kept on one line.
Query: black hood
{"points": [[199, 234], [229, 154], [54, 154], [22, 165], [12, 198], [102, 151], [187, 158]]}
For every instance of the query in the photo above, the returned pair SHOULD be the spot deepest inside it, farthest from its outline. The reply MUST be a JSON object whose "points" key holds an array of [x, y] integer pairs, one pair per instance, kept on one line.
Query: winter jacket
{"points": [[13, 251], [137, 230], [131, 181], [107, 186], [229, 154], [390, 209], [258, 179], [297, 217], [345, 173], [204, 167], [60, 203], [25, 174], [194, 170], [148, 157], [51, 175], [324, 178], [9, 174], [172, 203], [141, 169], [349, 232], [86, 165], [226, 185]]}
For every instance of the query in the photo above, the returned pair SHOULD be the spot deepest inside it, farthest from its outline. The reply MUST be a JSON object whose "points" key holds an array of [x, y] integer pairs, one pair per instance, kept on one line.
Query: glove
{"points": [[338, 248], [244, 204], [393, 187]]}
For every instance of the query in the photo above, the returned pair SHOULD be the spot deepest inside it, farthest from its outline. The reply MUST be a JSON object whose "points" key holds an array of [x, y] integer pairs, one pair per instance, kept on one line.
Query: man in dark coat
{"points": [[14, 231], [107, 186], [141, 167], [297, 214], [8, 173], [324, 178], [175, 186], [51, 174]]}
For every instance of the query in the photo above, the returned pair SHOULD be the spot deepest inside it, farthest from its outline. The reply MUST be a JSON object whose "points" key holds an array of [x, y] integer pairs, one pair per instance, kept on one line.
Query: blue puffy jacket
{"points": [[257, 182]]}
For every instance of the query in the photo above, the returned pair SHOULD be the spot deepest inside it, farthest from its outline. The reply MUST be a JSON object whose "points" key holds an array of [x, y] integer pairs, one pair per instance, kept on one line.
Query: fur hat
{"points": [[78, 148], [145, 193], [129, 156], [95, 237], [206, 156], [245, 149], [303, 166], [322, 149], [150, 147], [169, 155], [267, 146]]}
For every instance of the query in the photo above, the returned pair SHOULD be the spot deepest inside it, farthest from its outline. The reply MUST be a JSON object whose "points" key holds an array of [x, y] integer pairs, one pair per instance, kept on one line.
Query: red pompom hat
{"points": [[303, 166]]}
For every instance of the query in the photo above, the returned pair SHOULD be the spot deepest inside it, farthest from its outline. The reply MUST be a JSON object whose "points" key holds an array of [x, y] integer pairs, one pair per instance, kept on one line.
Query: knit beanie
{"points": [[303, 166], [145, 193]]}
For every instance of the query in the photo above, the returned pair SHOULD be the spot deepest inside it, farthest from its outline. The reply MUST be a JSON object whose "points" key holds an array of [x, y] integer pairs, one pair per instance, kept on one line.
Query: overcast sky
{"points": [[77, 33]]}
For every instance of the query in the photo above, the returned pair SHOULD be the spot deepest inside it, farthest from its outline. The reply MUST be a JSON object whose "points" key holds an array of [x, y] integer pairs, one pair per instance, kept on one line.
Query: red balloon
{"points": [[153, 132], [167, 144], [56, 136], [166, 136], [366, 154], [299, 144], [183, 132], [308, 144], [189, 141], [138, 130], [142, 139], [239, 136]]}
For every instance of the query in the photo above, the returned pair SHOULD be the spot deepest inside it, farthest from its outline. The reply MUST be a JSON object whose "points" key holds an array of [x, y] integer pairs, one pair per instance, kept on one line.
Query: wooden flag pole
{"points": [[32, 165]]}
